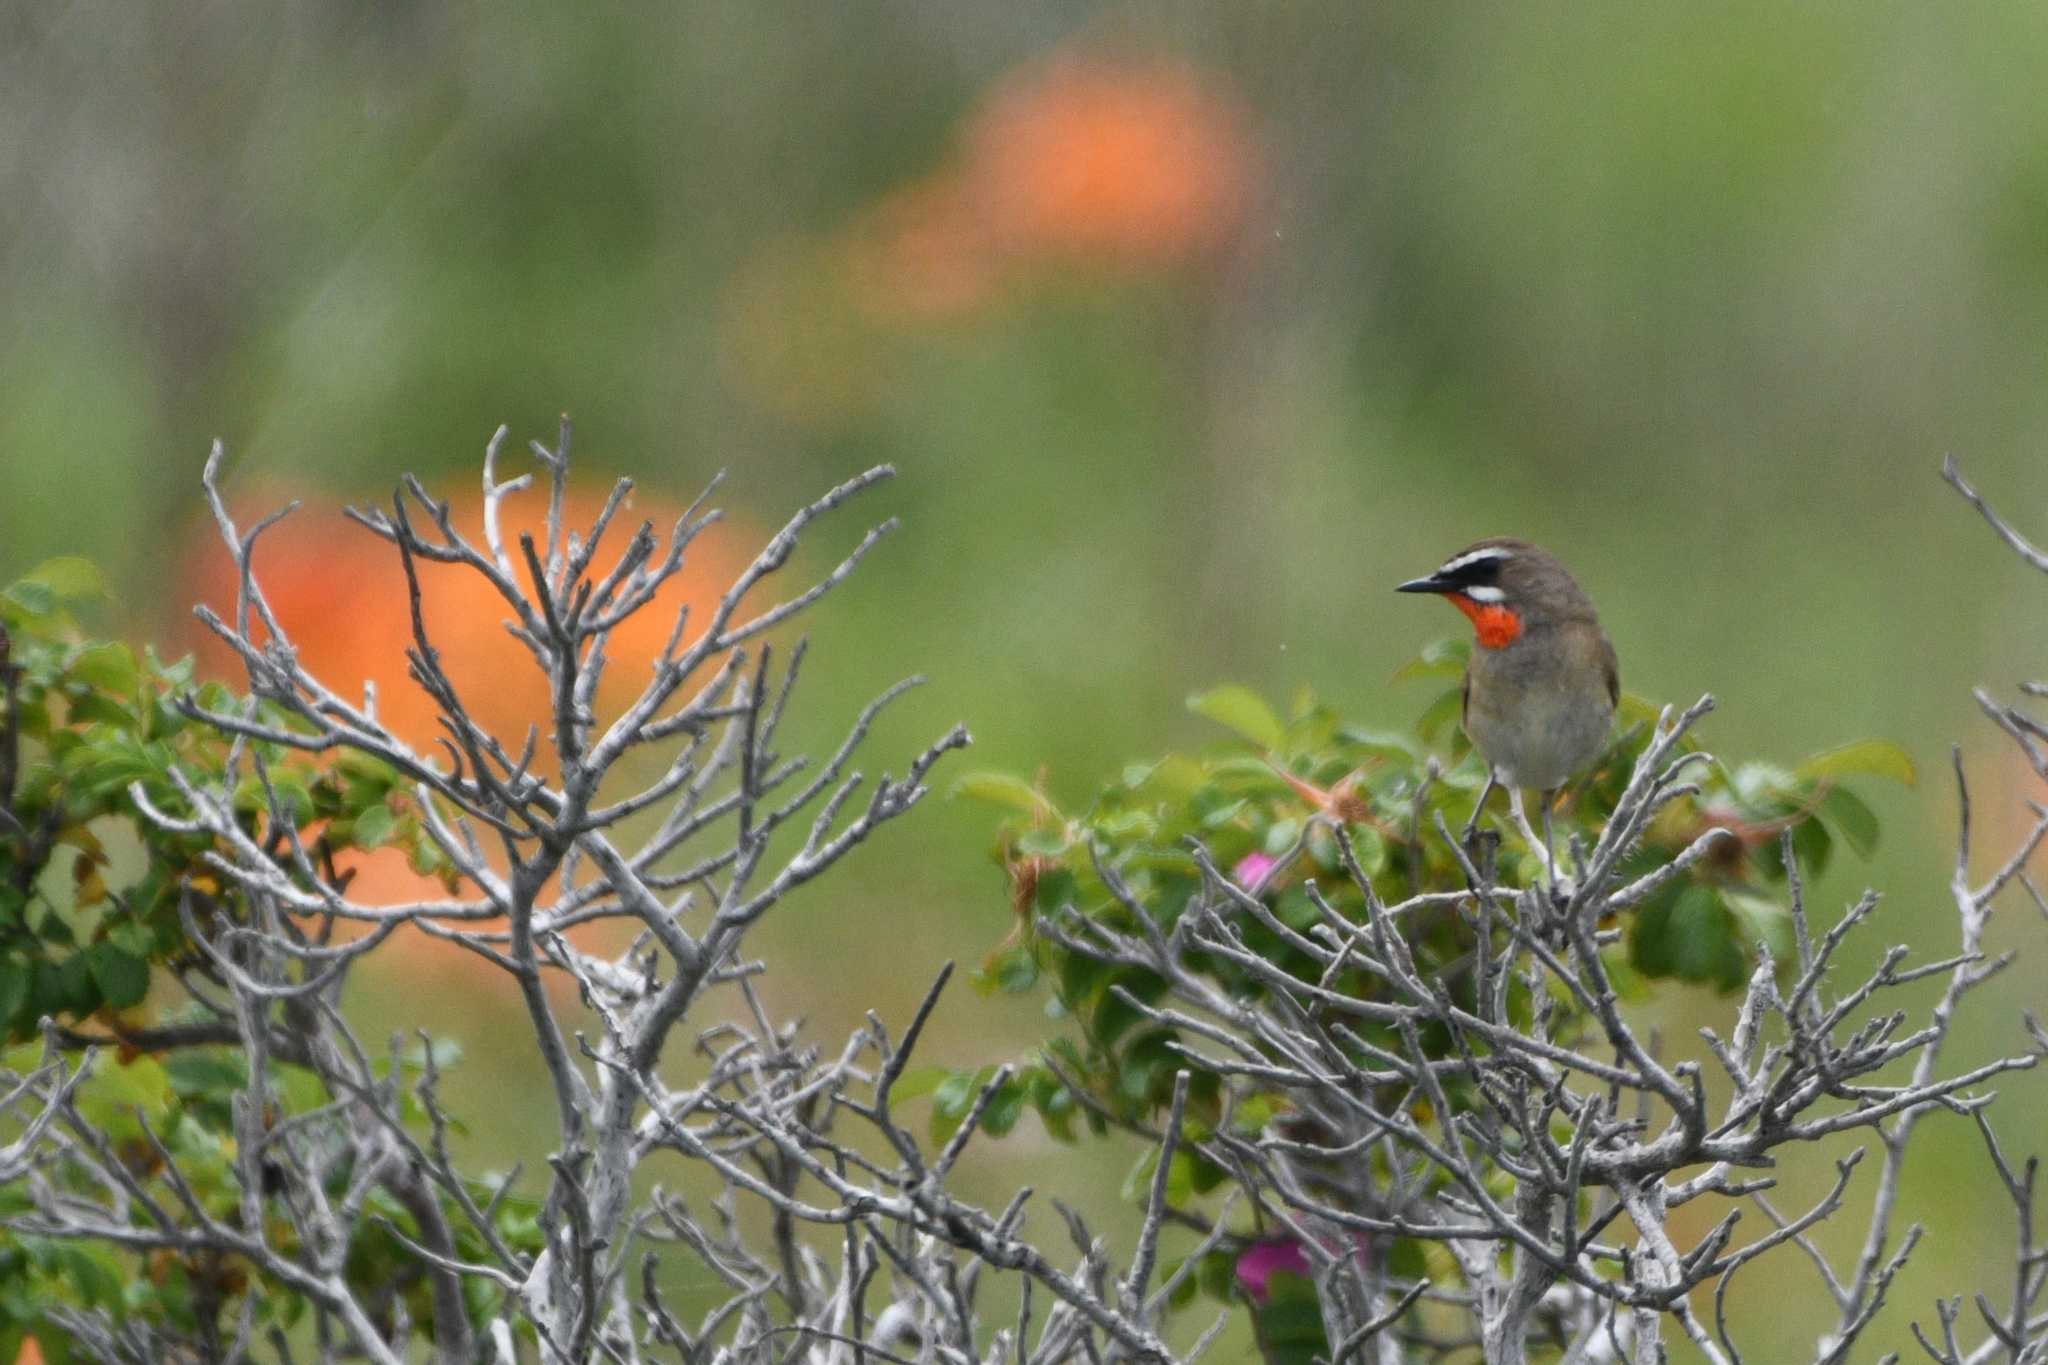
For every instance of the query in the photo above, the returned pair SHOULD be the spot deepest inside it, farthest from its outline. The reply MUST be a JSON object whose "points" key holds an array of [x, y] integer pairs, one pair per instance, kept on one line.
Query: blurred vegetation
{"points": [[1194, 328]]}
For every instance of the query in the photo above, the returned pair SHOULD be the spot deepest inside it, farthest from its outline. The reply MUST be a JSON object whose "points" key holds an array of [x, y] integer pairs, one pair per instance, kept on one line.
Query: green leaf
{"points": [[952, 1098], [294, 795], [1311, 726], [1253, 1113], [133, 938], [1018, 971], [209, 1073], [1812, 844], [1002, 789], [1014, 971], [1055, 1104], [122, 977], [56, 933], [302, 1091], [1289, 1325], [1444, 658], [1759, 784], [69, 578], [1635, 709], [1049, 843], [445, 1052], [1243, 710], [1380, 743], [1443, 713], [374, 827], [72, 989], [1296, 909], [1848, 817], [1280, 835], [1004, 1109], [1138, 1179], [1172, 778], [1122, 826], [1762, 921], [109, 667], [1862, 758], [92, 1272], [34, 598], [1055, 891], [1204, 1175], [119, 1088], [919, 1081], [102, 705], [1690, 936], [1242, 775], [1148, 1064], [1371, 847], [1218, 1274], [14, 984], [1079, 976], [1113, 1018]]}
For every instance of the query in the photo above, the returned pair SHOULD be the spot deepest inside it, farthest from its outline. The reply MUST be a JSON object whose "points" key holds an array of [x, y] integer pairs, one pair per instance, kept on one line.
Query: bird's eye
{"points": [[1475, 570]]}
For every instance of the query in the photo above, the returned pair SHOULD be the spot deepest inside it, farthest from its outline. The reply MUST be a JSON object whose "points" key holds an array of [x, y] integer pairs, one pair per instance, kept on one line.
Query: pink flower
{"points": [[1258, 1263], [1263, 1260], [1252, 869]]}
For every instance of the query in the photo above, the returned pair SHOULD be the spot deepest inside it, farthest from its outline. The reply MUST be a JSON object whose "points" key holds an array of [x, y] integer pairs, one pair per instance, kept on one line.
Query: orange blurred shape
{"points": [[1142, 162], [922, 253], [2006, 795], [1085, 158], [341, 596]]}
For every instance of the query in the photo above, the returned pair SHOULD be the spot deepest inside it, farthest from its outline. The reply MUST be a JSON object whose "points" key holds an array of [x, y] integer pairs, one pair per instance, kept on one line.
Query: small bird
{"points": [[1542, 685]]}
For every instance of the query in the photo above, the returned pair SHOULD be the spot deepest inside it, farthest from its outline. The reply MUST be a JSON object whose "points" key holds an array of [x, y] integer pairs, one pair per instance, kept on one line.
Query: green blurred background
{"points": [[1192, 328]]}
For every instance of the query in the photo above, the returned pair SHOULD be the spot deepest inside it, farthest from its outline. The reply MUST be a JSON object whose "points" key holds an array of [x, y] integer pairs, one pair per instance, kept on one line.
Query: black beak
{"points": [[1433, 583]]}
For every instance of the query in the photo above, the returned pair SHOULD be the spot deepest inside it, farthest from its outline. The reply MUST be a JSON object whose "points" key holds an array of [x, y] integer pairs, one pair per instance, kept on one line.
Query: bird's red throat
{"points": [[1496, 625]]}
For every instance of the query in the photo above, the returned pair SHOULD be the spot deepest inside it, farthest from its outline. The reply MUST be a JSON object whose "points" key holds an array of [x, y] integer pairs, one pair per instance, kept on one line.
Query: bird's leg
{"points": [[1528, 834], [1549, 848], [1472, 825]]}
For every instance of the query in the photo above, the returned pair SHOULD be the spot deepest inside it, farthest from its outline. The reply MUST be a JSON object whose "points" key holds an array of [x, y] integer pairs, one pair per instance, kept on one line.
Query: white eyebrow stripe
{"points": [[1485, 594], [1471, 557]]}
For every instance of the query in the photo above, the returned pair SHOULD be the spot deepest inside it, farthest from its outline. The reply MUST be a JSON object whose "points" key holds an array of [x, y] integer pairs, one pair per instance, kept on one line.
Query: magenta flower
{"points": [[1261, 1261], [1252, 869]]}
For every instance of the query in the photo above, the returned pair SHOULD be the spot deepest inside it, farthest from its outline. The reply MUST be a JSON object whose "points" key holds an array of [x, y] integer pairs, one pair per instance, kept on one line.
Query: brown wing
{"points": [[1611, 668], [1465, 702]]}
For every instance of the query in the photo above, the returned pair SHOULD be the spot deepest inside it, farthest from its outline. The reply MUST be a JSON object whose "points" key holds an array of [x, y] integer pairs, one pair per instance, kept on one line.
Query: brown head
{"points": [[1505, 586]]}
